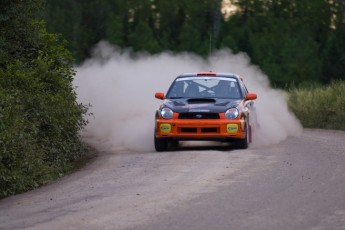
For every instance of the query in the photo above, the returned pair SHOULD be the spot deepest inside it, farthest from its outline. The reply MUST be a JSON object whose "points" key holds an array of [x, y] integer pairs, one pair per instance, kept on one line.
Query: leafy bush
{"points": [[39, 116], [320, 107]]}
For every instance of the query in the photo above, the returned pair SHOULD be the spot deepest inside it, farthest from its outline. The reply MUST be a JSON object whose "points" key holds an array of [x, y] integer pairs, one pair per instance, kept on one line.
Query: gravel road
{"points": [[296, 184]]}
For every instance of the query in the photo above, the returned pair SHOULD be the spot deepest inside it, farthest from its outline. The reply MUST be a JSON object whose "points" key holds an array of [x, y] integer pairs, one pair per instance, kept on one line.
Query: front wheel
{"points": [[161, 144], [244, 143]]}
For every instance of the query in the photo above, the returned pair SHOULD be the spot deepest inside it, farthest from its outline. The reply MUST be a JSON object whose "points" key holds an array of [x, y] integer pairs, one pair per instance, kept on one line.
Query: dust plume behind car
{"points": [[120, 86]]}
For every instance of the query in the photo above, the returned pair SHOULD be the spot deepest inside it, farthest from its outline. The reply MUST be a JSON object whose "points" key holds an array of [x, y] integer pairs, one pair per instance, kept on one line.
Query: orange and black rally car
{"points": [[205, 106]]}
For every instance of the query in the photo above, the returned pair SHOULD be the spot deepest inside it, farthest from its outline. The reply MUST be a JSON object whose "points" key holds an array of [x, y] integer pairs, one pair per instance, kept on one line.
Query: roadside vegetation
{"points": [[39, 116], [320, 106]]}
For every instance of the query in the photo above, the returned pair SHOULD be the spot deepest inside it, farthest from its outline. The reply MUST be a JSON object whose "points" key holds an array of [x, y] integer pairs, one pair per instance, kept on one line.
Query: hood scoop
{"points": [[222, 103], [201, 101], [178, 103]]}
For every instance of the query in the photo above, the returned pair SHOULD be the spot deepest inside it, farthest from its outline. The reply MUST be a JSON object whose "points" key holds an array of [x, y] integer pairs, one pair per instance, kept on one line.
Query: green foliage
{"points": [[320, 107], [145, 41], [293, 42], [283, 37], [17, 30], [81, 22], [151, 26], [112, 31], [39, 116]]}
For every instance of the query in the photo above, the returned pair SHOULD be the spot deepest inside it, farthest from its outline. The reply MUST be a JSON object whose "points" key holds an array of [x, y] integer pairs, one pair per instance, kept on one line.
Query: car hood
{"points": [[198, 105]]}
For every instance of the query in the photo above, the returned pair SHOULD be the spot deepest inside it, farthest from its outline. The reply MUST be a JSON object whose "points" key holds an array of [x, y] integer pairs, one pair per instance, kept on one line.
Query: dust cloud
{"points": [[120, 86]]}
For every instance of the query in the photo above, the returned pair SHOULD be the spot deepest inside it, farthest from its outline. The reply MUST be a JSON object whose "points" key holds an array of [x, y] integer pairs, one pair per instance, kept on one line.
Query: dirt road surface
{"points": [[296, 184]]}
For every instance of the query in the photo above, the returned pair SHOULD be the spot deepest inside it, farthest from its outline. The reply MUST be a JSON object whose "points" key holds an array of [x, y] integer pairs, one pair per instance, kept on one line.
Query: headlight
{"points": [[232, 113], [167, 113]]}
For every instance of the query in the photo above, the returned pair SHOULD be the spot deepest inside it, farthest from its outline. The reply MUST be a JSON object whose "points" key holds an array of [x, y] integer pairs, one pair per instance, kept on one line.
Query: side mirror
{"points": [[160, 95], [251, 96]]}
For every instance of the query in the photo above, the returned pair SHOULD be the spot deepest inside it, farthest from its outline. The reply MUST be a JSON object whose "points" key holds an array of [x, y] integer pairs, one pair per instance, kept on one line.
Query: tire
{"points": [[244, 143], [161, 144], [174, 143]]}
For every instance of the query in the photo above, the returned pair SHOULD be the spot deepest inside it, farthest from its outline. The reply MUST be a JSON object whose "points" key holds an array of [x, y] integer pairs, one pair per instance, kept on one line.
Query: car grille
{"points": [[201, 130], [198, 116]]}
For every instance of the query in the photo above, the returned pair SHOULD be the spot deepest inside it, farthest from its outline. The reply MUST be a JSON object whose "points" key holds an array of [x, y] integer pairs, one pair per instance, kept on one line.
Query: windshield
{"points": [[205, 87]]}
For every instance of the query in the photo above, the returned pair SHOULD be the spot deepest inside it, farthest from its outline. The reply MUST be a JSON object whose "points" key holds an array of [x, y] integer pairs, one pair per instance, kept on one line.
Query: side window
{"points": [[243, 88]]}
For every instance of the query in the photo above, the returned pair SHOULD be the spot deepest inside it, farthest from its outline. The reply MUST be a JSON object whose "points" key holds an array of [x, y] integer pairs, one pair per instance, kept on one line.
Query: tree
{"points": [[280, 36], [334, 48], [146, 40], [285, 38], [17, 29], [80, 22]]}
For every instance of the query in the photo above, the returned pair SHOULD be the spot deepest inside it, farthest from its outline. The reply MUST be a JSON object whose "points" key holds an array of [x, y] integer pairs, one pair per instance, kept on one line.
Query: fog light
{"points": [[165, 128], [232, 128]]}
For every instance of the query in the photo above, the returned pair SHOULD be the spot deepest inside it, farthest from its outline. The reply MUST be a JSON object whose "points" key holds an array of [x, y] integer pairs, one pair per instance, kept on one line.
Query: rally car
{"points": [[205, 106]]}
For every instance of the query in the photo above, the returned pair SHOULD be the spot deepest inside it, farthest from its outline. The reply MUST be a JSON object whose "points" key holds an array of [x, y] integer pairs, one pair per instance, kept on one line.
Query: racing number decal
{"points": [[231, 128], [165, 128]]}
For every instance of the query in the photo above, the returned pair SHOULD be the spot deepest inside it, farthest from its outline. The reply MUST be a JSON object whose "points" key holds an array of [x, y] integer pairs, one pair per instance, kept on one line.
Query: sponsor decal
{"points": [[231, 128], [165, 128]]}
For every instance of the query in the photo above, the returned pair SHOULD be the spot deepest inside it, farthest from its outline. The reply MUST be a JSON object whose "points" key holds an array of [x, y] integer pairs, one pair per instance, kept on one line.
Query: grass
{"points": [[320, 106]]}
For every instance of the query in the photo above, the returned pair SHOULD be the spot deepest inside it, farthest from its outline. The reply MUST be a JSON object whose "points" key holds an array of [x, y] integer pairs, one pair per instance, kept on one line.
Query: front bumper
{"points": [[200, 129]]}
